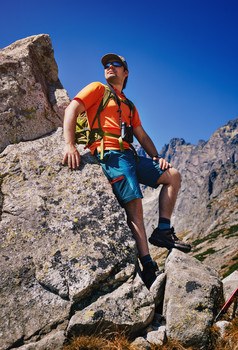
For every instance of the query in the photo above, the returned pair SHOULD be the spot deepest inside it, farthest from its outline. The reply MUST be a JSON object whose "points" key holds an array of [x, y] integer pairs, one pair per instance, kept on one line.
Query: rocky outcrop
{"points": [[32, 99], [63, 238], [205, 211], [207, 170], [68, 262], [67, 257], [129, 306]]}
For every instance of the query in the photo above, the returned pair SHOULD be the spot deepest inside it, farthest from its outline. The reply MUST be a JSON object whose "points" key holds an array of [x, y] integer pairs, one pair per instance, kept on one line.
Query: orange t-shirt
{"points": [[91, 97]]}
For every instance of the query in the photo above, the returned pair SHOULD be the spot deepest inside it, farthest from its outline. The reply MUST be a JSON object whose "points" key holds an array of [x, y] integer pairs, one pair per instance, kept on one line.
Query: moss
{"points": [[29, 112]]}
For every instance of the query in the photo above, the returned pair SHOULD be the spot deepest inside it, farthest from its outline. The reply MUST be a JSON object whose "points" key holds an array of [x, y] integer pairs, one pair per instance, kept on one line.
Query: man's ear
{"points": [[126, 73]]}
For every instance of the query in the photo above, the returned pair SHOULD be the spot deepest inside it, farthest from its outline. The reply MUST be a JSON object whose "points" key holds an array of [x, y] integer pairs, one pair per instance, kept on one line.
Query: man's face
{"points": [[115, 75]]}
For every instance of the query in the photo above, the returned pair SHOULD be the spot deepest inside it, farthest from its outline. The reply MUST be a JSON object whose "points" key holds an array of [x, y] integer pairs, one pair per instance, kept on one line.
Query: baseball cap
{"points": [[112, 56]]}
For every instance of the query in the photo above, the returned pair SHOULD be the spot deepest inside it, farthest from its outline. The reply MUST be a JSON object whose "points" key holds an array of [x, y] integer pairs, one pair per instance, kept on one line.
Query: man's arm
{"points": [[71, 154], [149, 146]]}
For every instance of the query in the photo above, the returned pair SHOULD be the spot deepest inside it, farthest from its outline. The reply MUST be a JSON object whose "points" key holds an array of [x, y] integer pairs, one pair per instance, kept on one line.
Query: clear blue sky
{"points": [[182, 55]]}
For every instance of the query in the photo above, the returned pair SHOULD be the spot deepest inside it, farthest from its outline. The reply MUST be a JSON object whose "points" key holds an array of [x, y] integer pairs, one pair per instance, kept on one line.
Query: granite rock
{"points": [[32, 99]]}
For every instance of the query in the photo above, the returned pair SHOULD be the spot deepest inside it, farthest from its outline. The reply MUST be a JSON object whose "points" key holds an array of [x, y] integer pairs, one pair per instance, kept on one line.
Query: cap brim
{"points": [[112, 56]]}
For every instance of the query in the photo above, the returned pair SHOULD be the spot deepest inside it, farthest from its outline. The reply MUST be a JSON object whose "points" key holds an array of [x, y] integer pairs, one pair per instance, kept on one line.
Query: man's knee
{"points": [[170, 177], [133, 207], [176, 176]]}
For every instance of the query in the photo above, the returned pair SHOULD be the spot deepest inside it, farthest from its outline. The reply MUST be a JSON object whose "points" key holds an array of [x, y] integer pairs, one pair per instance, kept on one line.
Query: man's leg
{"points": [[165, 236], [170, 180], [134, 212]]}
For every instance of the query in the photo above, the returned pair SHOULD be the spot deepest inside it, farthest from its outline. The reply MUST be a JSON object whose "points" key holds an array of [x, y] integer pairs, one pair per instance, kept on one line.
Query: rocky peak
{"points": [[208, 195], [32, 99], [170, 149]]}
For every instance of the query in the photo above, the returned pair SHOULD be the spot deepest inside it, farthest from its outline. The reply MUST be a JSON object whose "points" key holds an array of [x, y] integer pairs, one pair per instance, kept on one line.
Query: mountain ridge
{"points": [[207, 200]]}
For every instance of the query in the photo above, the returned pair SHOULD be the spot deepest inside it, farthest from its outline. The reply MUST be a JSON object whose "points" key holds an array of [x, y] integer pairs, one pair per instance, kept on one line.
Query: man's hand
{"points": [[163, 164], [72, 156], [149, 147]]}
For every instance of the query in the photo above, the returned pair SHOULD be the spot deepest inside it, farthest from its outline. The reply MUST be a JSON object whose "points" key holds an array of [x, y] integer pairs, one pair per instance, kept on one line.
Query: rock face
{"points": [[207, 170], [130, 305], [67, 257], [64, 239], [206, 208], [32, 99]]}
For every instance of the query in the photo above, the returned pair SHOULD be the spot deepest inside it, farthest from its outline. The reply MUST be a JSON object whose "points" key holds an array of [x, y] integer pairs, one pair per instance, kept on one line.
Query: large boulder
{"points": [[64, 238], [230, 285], [130, 307], [191, 293], [53, 341], [32, 99]]}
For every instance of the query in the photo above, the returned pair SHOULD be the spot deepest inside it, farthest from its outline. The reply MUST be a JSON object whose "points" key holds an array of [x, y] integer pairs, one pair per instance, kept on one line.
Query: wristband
{"points": [[157, 156]]}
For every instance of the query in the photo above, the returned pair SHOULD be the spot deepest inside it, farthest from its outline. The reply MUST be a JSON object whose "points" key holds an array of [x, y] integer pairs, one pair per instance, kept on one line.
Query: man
{"points": [[122, 168]]}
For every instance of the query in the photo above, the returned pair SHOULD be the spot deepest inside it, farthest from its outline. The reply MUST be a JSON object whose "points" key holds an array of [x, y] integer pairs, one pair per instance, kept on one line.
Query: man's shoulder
{"points": [[96, 85], [92, 91]]}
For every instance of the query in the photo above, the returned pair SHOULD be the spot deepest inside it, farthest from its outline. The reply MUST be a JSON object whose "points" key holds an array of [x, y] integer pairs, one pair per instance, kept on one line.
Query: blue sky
{"points": [[182, 55]]}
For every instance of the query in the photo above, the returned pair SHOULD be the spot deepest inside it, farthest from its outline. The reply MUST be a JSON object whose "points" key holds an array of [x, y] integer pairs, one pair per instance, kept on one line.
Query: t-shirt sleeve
{"points": [[91, 94]]}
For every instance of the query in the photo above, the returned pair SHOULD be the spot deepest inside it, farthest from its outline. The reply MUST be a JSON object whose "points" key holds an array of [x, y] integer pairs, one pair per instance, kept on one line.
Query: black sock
{"points": [[145, 259], [164, 223]]}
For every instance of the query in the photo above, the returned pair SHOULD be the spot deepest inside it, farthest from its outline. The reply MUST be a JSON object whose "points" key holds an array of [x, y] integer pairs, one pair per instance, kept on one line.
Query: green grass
{"points": [[197, 250], [232, 232], [231, 269], [199, 240], [227, 233], [224, 266], [211, 236], [203, 256]]}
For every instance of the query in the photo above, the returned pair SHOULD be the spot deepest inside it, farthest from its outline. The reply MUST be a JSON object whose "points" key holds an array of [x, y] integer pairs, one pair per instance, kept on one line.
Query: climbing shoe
{"points": [[167, 239], [149, 273]]}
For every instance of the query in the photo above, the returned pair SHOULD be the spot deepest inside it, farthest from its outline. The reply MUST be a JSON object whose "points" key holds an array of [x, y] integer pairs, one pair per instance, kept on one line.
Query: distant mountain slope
{"points": [[206, 210]]}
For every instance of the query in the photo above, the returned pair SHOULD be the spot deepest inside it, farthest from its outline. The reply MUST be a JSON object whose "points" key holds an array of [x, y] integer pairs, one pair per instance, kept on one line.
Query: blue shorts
{"points": [[125, 172]]}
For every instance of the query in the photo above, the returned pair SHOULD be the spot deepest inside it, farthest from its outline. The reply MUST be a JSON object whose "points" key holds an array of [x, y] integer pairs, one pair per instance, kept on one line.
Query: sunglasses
{"points": [[115, 64]]}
